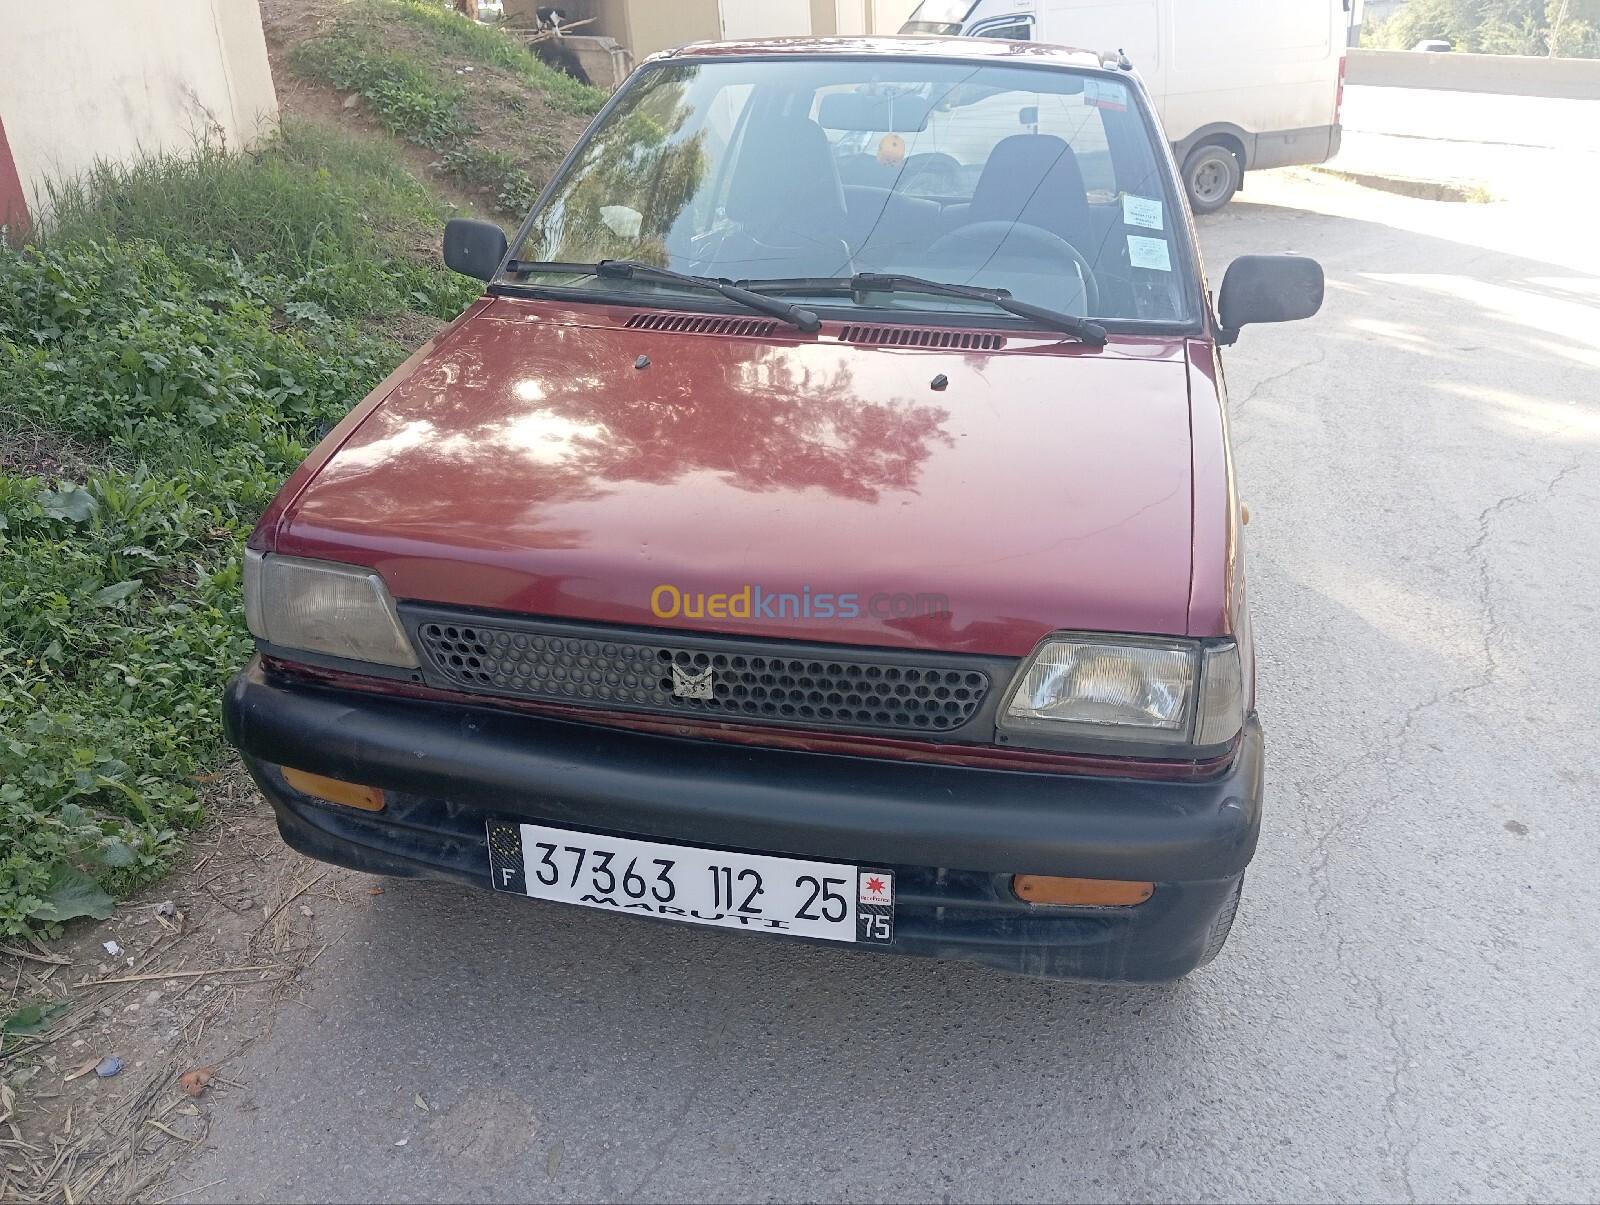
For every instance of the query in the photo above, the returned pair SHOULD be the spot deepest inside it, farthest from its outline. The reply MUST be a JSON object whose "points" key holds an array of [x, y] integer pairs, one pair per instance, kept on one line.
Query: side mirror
{"points": [[473, 248], [1267, 288]]}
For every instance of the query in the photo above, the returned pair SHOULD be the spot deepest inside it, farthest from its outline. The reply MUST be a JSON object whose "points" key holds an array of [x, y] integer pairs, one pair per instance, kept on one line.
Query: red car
{"points": [[823, 526]]}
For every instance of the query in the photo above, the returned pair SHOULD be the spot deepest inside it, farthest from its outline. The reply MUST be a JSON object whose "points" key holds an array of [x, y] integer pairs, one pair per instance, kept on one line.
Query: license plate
{"points": [[835, 901]]}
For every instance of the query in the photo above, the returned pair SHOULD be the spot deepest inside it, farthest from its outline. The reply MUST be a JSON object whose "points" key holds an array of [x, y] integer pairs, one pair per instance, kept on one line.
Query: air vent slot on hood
{"points": [[700, 324], [915, 336]]}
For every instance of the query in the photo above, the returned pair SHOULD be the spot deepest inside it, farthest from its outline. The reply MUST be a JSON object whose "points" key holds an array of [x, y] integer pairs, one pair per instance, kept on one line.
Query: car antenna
{"points": [[1123, 60]]}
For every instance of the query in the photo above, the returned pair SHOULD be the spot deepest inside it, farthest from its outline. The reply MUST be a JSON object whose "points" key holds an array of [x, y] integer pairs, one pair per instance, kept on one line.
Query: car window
{"points": [[1020, 30], [1046, 182]]}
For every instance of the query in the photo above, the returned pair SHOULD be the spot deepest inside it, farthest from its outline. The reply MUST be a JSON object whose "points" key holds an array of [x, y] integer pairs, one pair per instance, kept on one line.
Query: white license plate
{"points": [[834, 901]]}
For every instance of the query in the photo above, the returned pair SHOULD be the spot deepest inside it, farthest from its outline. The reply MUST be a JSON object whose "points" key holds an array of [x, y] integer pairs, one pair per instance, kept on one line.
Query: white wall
{"points": [[108, 79], [765, 18], [852, 18], [849, 18], [887, 16]]}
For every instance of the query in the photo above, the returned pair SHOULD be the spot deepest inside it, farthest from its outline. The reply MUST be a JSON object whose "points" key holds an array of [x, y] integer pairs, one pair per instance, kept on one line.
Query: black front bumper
{"points": [[954, 835]]}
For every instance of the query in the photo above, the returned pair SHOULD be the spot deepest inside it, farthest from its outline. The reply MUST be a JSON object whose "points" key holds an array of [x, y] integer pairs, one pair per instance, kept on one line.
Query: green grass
{"points": [[409, 94], [494, 48], [188, 325], [315, 196], [397, 55]]}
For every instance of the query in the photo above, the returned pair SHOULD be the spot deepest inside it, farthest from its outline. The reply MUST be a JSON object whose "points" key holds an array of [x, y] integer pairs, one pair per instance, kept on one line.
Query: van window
{"points": [[944, 10], [939, 17], [1019, 29]]}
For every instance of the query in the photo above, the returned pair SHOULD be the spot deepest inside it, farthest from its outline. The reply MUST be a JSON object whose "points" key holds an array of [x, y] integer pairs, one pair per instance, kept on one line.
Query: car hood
{"points": [[555, 462]]}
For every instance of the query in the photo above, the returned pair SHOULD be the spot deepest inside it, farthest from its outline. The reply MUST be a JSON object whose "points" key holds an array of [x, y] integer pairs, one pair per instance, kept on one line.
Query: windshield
{"points": [[1045, 182]]}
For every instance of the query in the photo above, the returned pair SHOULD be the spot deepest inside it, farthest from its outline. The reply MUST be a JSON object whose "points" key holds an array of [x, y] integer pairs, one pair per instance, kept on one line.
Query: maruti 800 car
{"points": [[823, 526]]}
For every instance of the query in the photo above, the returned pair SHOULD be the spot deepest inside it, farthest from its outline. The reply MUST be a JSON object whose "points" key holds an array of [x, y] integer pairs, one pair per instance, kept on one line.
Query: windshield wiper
{"points": [[874, 282], [628, 269]]}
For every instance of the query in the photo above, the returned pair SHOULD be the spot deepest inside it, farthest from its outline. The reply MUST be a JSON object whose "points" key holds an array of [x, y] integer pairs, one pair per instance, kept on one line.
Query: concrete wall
{"points": [[1506, 74], [646, 26], [887, 16], [765, 18], [109, 79], [848, 18]]}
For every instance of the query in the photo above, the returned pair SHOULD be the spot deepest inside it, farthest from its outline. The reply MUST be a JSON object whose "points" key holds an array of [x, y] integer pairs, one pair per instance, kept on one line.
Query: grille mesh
{"points": [[700, 324], [916, 336], [634, 675]]}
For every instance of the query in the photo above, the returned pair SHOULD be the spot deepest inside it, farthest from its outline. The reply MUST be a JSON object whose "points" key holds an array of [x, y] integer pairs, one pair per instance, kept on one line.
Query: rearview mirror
{"points": [[1267, 288], [473, 248]]}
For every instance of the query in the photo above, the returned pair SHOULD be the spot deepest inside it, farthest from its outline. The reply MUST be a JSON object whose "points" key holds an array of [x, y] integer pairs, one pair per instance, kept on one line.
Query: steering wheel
{"points": [[933, 174], [737, 251], [986, 238]]}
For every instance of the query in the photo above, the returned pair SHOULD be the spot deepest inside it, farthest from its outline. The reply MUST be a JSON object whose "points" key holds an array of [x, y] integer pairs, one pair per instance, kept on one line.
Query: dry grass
{"points": [[243, 932]]}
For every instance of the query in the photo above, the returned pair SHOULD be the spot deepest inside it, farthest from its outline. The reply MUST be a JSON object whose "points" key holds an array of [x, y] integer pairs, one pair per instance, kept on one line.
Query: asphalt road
{"points": [[1407, 1008]]}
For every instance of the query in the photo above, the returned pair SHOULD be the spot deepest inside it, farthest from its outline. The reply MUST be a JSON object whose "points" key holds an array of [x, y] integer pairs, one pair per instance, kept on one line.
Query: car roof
{"points": [[976, 50]]}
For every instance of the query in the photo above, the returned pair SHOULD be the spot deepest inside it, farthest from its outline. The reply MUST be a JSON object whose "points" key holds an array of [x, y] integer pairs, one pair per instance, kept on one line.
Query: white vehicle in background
{"points": [[1239, 84]]}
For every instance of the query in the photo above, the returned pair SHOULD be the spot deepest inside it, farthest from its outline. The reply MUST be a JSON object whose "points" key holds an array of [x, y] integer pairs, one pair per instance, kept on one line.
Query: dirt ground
{"points": [[32, 451], [182, 979], [508, 119]]}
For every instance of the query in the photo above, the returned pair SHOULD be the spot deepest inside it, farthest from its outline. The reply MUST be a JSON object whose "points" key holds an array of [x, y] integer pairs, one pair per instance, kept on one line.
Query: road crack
{"points": [[1238, 406], [1493, 629], [1401, 1137]]}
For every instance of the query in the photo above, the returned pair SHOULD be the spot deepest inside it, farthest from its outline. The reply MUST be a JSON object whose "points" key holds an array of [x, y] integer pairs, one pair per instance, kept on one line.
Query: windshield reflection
{"points": [[1045, 181]]}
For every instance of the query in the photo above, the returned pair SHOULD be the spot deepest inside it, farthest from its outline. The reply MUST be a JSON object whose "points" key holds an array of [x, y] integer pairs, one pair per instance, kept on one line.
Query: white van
{"points": [[1239, 84]]}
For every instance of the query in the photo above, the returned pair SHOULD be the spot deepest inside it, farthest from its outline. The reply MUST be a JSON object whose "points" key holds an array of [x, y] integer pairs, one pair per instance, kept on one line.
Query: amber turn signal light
{"points": [[334, 790], [1085, 893]]}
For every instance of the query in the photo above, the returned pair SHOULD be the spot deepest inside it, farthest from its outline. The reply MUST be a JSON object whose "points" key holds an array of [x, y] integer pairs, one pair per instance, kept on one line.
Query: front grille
{"points": [[817, 686]]}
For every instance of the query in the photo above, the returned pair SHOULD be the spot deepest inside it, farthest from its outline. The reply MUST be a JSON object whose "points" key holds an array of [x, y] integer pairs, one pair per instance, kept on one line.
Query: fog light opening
{"points": [[1084, 893], [334, 790]]}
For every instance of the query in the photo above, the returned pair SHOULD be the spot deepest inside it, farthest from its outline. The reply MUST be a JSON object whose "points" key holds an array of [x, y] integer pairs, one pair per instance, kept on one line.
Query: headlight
{"points": [[317, 607], [1168, 698]]}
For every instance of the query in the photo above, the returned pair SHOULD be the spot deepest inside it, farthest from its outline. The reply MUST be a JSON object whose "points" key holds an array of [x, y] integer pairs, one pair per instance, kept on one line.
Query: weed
{"points": [[405, 91], [515, 190], [190, 325]]}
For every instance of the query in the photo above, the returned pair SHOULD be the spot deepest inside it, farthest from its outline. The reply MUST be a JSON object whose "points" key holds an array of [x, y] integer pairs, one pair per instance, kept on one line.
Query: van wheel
{"points": [[1211, 175], [1222, 926]]}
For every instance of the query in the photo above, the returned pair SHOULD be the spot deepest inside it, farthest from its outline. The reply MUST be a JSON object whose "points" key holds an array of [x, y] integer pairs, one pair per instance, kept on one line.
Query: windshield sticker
{"points": [[621, 219], [1149, 253], [1105, 94], [1141, 211]]}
